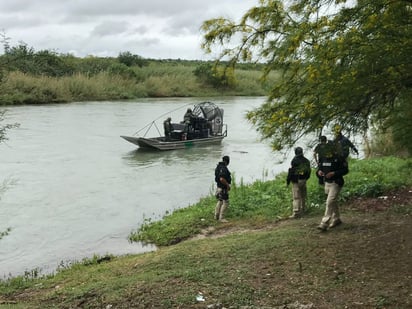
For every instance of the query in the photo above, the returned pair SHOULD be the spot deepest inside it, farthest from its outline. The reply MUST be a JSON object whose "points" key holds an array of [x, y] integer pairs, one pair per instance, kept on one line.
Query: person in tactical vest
{"points": [[188, 120], [168, 128], [333, 167], [344, 143], [322, 150], [223, 180], [298, 174]]}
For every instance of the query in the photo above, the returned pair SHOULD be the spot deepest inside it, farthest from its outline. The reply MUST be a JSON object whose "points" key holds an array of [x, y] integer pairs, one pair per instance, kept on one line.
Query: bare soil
{"points": [[366, 261]]}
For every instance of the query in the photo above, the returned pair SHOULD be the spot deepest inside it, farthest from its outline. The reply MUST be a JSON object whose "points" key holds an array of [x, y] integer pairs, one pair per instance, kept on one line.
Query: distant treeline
{"points": [[37, 77]]}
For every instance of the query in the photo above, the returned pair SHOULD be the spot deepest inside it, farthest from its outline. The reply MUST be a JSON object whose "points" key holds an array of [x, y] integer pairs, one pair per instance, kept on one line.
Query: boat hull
{"points": [[160, 143]]}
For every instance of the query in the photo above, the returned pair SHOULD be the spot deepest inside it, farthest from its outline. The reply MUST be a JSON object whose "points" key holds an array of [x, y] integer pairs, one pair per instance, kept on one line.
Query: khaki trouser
{"points": [[299, 196], [332, 208], [221, 207]]}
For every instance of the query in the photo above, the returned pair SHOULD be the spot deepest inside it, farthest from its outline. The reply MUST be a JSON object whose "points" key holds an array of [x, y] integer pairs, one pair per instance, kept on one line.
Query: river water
{"points": [[75, 188]]}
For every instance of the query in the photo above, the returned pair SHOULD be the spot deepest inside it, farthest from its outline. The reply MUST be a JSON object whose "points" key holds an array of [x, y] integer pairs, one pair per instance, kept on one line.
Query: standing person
{"points": [[223, 180], [168, 128], [298, 174], [332, 169], [188, 120], [321, 151], [345, 144], [188, 116]]}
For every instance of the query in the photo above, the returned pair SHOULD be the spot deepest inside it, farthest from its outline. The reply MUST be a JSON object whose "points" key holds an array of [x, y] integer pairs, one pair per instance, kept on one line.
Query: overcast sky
{"points": [[159, 29]]}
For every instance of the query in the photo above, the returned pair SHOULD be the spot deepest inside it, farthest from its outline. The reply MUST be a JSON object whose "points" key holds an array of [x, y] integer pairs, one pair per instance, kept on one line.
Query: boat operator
{"points": [[188, 120], [168, 127], [188, 117]]}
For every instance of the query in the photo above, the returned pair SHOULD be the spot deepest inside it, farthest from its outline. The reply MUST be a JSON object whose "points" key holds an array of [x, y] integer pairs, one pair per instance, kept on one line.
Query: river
{"points": [[74, 188]]}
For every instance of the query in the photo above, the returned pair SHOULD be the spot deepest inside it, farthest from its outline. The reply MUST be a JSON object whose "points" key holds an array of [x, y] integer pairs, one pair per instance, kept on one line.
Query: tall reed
{"points": [[158, 79]]}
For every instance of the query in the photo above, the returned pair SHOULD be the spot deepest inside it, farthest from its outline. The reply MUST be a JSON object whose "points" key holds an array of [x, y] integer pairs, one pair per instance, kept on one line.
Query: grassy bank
{"points": [[157, 79], [255, 260], [264, 201]]}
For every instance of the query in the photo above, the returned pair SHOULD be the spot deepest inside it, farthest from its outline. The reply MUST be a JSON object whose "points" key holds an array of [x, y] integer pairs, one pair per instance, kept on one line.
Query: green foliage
{"points": [[213, 75], [256, 199], [26, 60], [94, 78], [392, 133], [93, 66], [30, 77], [20, 88], [35, 275], [345, 65], [373, 177], [177, 226], [265, 201], [128, 59], [20, 282], [95, 260]]}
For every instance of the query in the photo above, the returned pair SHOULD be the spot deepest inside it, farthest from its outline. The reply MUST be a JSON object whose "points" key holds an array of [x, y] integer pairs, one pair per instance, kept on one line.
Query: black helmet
{"points": [[298, 151]]}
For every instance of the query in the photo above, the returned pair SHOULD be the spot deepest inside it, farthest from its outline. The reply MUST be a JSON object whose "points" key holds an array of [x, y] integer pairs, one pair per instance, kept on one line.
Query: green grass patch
{"points": [[266, 201]]}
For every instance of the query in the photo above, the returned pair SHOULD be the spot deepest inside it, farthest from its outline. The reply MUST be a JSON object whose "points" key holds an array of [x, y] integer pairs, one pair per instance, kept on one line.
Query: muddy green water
{"points": [[75, 188]]}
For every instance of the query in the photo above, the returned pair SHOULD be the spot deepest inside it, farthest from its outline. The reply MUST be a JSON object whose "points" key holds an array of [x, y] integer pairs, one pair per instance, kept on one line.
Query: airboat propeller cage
{"points": [[213, 115]]}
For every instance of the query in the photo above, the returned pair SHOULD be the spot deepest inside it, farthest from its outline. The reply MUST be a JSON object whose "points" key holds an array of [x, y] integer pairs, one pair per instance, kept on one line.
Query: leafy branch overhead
{"points": [[345, 62]]}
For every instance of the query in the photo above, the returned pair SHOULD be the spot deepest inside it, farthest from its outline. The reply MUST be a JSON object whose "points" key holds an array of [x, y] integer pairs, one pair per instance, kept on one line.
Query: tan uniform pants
{"points": [[221, 207], [299, 194], [332, 208]]}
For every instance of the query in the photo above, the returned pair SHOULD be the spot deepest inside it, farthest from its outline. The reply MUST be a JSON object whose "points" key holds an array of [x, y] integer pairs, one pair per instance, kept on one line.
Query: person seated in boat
{"points": [[168, 127], [188, 119]]}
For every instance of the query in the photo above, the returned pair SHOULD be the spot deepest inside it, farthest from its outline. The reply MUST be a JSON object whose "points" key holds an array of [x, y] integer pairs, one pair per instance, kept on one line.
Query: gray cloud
{"points": [[152, 29], [142, 29], [109, 28]]}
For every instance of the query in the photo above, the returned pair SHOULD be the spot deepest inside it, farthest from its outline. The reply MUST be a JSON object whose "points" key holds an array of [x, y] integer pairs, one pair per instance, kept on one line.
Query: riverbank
{"points": [[261, 202], [253, 261], [157, 79], [364, 263]]}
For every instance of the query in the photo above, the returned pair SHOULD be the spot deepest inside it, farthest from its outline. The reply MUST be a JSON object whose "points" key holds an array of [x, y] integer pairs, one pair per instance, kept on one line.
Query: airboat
{"points": [[204, 127]]}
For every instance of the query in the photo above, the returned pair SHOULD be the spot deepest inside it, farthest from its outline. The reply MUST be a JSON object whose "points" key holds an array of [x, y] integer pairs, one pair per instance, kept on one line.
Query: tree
{"points": [[25, 59], [215, 76], [345, 62], [130, 59]]}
